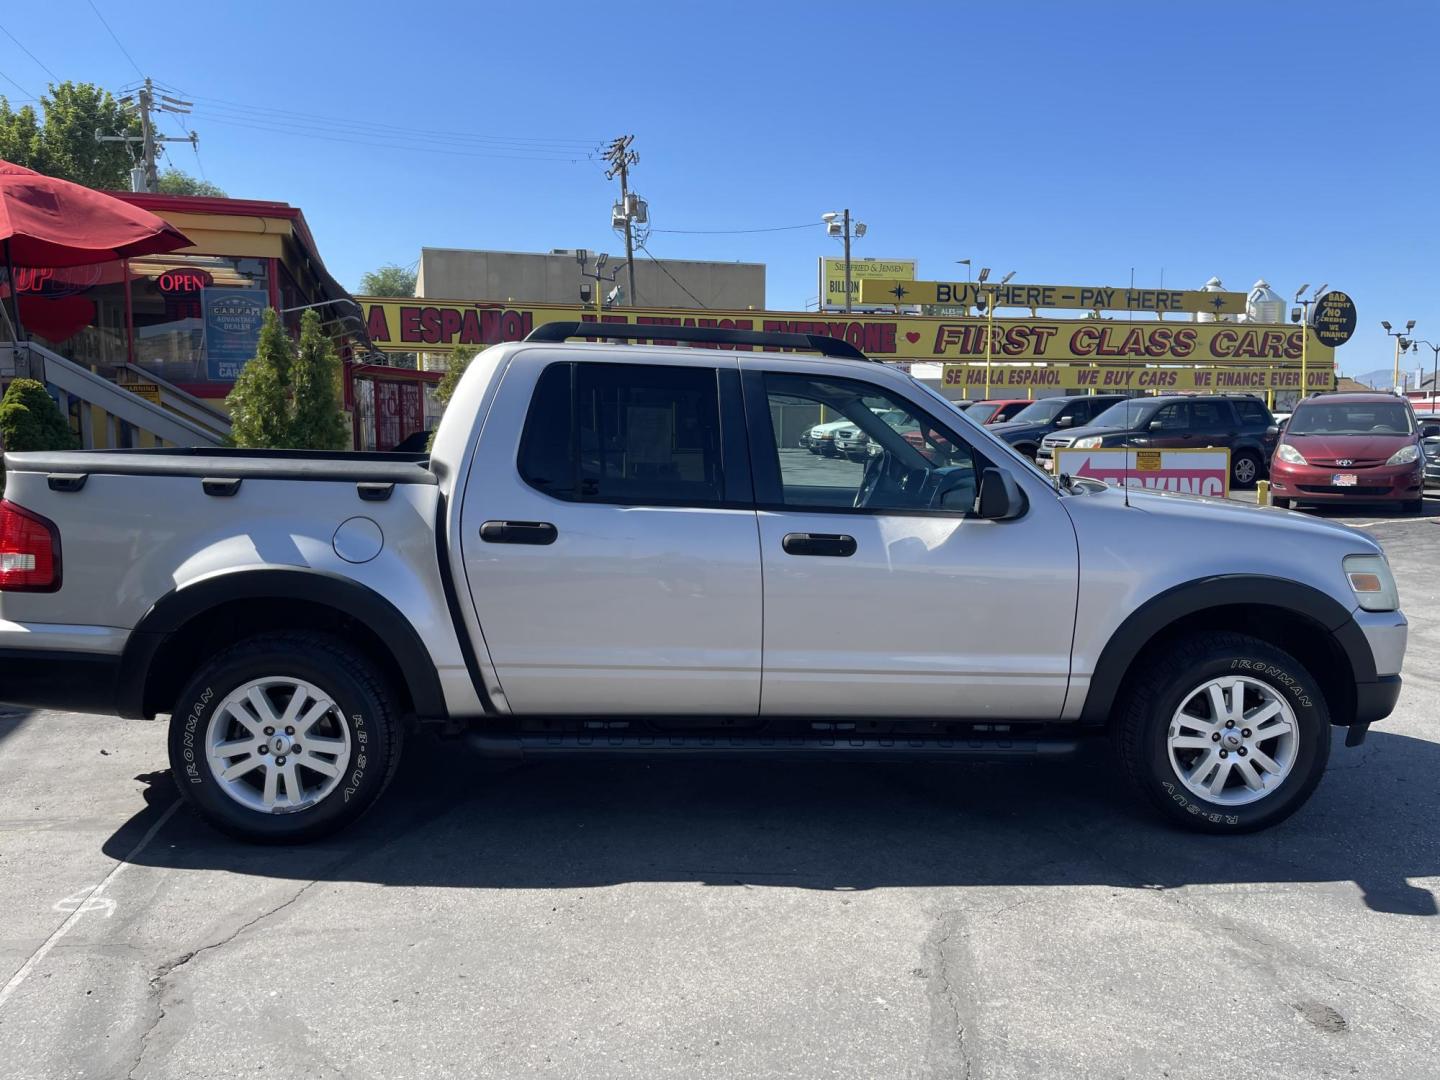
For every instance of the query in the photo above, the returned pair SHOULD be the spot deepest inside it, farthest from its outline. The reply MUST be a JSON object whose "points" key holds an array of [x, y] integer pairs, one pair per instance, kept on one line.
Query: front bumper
{"points": [[1316, 483]]}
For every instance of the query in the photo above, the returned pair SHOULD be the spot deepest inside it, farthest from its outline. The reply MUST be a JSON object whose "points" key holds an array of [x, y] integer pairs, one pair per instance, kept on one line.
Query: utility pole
{"points": [[846, 231], [146, 177], [621, 157]]}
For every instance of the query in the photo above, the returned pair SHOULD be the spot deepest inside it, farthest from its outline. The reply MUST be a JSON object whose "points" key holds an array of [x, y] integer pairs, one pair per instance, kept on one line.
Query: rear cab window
{"points": [[633, 434]]}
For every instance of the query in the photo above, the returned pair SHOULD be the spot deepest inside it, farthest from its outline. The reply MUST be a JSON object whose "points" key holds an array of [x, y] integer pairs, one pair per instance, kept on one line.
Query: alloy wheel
{"points": [[278, 744], [1233, 740]]}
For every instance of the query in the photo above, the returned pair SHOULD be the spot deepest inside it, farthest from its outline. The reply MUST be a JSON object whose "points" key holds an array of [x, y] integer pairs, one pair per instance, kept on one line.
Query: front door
{"points": [[609, 539], [884, 595]]}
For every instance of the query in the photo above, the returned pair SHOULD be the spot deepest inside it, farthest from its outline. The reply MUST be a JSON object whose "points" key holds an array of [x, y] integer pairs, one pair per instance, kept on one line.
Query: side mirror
{"points": [[1157, 425], [1272, 432], [1065, 421], [1000, 496]]}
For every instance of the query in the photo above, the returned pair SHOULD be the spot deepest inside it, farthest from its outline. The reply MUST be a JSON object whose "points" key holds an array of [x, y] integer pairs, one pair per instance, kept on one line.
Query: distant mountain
{"points": [[1380, 378]]}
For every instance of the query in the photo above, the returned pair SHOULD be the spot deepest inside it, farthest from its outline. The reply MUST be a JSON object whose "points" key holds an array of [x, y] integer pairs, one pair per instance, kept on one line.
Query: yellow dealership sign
{"points": [[1110, 378], [430, 325], [832, 278], [875, 290]]}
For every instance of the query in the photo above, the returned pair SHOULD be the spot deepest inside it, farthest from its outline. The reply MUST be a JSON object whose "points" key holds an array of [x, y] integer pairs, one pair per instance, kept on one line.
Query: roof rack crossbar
{"points": [[718, 335]]}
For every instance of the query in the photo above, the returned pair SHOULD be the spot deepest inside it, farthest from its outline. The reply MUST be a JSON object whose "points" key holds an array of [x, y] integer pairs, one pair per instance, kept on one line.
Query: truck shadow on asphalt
{"points": [[454, 821]]}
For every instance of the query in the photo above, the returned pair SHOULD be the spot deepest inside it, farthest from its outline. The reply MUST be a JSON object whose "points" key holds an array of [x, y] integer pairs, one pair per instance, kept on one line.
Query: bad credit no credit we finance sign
{"points": [[1189, 472]]}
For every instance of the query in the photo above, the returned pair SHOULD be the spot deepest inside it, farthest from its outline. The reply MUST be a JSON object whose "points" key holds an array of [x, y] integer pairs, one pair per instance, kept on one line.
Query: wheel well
{"points": [[1301, 636], [190, 645]]}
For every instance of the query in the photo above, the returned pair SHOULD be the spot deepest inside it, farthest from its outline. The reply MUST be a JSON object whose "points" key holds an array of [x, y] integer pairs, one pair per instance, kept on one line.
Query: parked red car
{"points": [[1350, 448], [996, 410]]}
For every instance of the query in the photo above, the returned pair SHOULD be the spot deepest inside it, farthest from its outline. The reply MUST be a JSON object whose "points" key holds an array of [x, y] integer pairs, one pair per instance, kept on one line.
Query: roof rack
{"points": [[717, 335]]}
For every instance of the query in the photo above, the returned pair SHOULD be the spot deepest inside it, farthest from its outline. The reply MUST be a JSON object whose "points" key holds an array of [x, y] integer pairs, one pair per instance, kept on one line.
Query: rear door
{"points": [[1214, 422], [1169, 427], [609, 538], [884, 595]]}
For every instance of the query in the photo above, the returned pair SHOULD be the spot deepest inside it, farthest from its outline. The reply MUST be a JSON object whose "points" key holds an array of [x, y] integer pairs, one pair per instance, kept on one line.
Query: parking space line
{"points": [[84, 906]]}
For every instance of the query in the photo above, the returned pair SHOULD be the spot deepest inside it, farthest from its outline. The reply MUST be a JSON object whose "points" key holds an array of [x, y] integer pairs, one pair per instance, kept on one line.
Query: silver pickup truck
{"points": [[621, 548]]}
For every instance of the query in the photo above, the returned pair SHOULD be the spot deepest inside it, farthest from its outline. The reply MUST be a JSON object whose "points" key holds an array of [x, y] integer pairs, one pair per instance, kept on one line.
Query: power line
{"points": [[391, 145], [115, 39], [732, 232], [671, 276], [384, 138], [241, 110], [30, 54], [28, 95]]}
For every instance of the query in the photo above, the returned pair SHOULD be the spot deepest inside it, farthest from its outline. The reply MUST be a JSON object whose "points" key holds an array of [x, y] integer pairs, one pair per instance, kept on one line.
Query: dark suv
{"points": [[1237, 421], [1026, 428]]}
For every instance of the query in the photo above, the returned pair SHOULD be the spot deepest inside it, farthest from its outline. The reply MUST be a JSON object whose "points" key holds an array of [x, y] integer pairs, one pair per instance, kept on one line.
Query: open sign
{"points": [[187, 280]]}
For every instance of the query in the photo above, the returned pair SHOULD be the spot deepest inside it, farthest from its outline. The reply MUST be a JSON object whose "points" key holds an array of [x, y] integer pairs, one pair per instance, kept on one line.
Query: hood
{"points": [[1361, 449], [832, 425], [1089, 429], [1201, 513], [1011, 428]]}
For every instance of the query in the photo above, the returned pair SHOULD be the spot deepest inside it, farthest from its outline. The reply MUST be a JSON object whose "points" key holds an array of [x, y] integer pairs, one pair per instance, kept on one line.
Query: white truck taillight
{"points": [[29, 551]]}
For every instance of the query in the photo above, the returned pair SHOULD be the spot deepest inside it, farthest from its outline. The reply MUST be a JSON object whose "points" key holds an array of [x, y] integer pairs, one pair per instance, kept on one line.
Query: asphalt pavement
{"points": [[723, 919]]}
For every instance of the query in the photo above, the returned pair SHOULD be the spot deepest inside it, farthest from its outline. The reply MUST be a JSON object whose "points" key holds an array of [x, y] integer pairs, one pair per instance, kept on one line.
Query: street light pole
{"points": [[847, 261], [1435, 370], [1397, 335]]}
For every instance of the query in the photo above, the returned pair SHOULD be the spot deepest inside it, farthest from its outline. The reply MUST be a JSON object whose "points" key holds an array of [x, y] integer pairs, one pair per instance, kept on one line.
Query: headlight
{"points": [[1406, 455], [1286, 452], [1089, 442], [1372, 582]]}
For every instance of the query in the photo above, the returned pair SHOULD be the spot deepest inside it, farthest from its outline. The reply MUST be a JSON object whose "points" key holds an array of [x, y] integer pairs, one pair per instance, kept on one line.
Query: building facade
{"points": [[555, 278]]}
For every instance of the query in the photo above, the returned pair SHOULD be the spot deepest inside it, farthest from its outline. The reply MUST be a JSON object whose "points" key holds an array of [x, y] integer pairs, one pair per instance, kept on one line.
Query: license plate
{"points": [[1344, 479]]}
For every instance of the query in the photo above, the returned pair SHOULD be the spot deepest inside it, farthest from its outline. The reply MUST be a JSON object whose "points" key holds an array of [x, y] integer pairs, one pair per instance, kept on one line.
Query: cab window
{"points": [[634, 434], [908, 461]]}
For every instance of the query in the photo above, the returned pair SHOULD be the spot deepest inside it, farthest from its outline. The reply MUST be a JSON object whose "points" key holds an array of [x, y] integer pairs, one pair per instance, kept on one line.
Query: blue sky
{"points": [[1068, 142]]}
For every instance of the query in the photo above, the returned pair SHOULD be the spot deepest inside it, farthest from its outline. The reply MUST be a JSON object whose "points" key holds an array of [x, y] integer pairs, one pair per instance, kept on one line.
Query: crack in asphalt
{"points": [[166, 970], [949, 1051]]}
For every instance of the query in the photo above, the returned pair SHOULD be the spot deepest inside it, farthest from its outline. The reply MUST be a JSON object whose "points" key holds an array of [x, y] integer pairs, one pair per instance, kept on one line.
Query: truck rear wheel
{"points": [[1224, 733], [284, 737]]}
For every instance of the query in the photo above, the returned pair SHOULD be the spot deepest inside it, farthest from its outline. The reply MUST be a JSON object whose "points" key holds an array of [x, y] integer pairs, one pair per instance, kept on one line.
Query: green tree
{"points": [[459, 361], [392, 280], [445, 388], [259, 403], [176, 182], [389, 280], [63, 144], [30, 419], [315, 419]]}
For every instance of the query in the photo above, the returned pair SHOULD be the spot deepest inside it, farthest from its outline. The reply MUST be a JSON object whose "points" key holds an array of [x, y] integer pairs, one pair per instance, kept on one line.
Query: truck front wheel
{"points": [[1223, 733], [284, 737]]}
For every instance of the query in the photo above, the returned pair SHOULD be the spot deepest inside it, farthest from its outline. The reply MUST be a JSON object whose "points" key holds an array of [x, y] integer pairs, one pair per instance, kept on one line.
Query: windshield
{"points": [[982, 411], [1351, 418], [1125, 414], [1039, 412]]}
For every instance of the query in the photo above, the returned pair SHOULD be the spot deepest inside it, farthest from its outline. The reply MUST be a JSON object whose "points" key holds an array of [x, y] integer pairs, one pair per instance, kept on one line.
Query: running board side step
{"points": [[638, 745]]}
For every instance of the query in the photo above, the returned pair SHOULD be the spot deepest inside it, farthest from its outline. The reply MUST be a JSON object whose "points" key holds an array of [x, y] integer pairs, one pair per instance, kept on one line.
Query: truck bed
{"points": [[230, 464]]}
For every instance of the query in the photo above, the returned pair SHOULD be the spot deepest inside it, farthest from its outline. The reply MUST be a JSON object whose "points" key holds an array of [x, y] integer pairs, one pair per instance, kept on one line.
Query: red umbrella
{"points": [[53, 223]]}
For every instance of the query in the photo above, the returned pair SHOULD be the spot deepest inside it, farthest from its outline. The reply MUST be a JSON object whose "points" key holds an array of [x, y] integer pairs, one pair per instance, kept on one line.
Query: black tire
{"points": [[365, 705], [1142, 724], [1282, 503], [1245, 469], [1028, 450]]}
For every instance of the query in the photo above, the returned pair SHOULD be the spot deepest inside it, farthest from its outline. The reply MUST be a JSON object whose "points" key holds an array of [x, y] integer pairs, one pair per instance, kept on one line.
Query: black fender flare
{"points": [[177, 607], [1222, 590]]}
